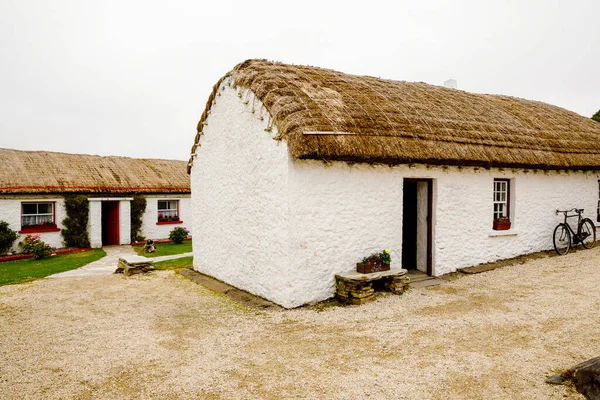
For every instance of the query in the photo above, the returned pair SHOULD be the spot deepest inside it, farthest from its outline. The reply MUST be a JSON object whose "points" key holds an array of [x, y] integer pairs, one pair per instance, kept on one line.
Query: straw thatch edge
{"points": [[466, 154]]}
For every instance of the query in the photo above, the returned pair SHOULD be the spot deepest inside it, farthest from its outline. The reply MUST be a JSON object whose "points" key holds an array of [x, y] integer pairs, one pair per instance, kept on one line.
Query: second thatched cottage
{"points": [[297, 173], [34, 184]]}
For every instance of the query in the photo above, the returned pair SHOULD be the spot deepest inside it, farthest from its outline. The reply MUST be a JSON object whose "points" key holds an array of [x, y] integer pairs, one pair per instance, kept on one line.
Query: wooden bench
{"points": [[357, 288]]}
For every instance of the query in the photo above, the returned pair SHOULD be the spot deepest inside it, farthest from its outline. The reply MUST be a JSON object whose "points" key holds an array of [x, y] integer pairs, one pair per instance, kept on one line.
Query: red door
{"points": [[110, 223]]}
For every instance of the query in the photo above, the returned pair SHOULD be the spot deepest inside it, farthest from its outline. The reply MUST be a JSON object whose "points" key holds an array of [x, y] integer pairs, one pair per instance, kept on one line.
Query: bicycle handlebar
{"points": [[575, 210]]}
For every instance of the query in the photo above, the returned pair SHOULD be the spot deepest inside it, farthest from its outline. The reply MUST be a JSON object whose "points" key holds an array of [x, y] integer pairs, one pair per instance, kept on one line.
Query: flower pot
{"points": [[367, 268], [501, 225]]}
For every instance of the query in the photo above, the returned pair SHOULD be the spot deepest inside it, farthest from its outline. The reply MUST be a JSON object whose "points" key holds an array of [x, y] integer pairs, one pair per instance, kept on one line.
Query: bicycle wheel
{"points": [[587, 231], [562, 239]]}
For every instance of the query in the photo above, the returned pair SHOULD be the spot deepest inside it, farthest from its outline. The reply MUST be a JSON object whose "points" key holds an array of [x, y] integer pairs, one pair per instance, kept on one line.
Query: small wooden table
{"points": [[357, 288]]}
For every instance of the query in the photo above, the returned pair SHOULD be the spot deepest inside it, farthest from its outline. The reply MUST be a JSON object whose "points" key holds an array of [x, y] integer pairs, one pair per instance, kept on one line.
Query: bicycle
{"points": [[564, 235]]}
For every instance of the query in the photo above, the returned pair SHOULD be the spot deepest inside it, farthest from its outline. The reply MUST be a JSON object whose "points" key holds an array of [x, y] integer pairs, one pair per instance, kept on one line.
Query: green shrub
{"points": [[178, 235], [32, 244], [7, 237], [74, 230], [596, 117], [138, 207]]}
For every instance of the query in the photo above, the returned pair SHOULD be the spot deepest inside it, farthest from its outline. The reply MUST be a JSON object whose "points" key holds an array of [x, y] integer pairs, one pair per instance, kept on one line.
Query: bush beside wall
{"points": [[7, 237], [74, 230], [138, 207]]}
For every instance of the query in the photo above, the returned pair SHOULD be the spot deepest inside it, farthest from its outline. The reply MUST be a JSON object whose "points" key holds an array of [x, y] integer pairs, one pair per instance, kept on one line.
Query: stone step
{"points": [[426, 283]]}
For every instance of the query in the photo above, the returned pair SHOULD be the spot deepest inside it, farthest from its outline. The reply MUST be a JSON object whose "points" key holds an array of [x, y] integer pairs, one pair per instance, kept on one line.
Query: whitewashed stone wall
{"points": [[95, 224], [151, 230], [10, 211], [125, 221], [282, 229], [239, 195]]}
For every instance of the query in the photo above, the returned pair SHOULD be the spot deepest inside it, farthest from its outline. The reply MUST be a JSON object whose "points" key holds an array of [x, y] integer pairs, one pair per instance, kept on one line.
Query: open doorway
{"points": [[110, 223], [417, 209]]}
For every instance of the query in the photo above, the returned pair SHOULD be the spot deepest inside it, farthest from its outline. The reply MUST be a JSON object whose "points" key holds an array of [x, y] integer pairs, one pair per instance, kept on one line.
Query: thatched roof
{"points": [[49, 172], [325, 114]]}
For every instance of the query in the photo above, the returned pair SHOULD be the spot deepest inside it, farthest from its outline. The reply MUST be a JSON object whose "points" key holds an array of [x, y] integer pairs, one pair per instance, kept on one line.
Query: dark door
{"points": [[417, 230], [110, 223]]}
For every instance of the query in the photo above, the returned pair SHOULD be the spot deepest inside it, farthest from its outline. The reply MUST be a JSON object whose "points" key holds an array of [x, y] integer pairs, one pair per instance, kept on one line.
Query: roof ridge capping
{"points": [[395, 122]]}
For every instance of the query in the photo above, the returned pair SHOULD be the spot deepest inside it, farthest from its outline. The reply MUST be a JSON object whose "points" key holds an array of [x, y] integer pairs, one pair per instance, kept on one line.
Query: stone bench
{"points": [[357, 288], [131, 265]]}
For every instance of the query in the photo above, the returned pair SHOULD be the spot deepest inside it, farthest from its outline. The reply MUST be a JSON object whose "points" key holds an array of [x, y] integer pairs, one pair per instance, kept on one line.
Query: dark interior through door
{"points": [[409, 225], [110, 223]]}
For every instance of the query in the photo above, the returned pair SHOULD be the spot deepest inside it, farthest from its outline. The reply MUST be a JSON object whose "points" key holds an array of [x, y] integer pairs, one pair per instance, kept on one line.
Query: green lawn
{"points": [[26, 270], [184, 262], [166, 249]]}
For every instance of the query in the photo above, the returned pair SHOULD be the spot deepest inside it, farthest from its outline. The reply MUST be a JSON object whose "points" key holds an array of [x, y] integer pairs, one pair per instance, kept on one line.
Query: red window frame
{"points": [[178, 221], [38, 228]]}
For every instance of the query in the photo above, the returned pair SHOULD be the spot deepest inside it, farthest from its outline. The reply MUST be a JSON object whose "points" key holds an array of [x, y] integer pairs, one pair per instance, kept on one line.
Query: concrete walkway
{"points": [[104, 266], [171, 257], [108, 264]]}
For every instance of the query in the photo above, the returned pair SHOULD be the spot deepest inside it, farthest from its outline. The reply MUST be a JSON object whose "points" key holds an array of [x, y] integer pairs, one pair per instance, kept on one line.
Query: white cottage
{"points": [[297, 173], [33, 185]]}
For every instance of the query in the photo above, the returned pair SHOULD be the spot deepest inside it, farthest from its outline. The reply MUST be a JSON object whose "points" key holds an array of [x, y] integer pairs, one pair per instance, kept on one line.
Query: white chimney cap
{"points": [[451, 83]]}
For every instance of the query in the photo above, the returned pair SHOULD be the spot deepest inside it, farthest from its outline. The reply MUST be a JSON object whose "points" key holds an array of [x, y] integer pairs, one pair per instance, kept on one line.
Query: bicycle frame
{"points": [[578, 212], [564, 236]]}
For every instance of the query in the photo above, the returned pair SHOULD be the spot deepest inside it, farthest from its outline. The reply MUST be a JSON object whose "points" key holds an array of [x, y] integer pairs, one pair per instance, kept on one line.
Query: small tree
{"points": [[7, 237], [596, 117]]}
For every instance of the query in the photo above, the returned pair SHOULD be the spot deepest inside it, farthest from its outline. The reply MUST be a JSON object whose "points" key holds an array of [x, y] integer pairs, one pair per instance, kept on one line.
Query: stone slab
{"points": [[426, 283], [134, 260], [357, 276]]}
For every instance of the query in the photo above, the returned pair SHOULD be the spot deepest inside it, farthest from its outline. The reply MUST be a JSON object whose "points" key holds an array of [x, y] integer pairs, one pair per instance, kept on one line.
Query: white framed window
{"points": [[168, 210], [501, 198], [37, 214]]}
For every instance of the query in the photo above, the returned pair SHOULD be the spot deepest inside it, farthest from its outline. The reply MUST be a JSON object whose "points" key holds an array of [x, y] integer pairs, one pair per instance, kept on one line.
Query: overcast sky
{"points": [[131, 78]]}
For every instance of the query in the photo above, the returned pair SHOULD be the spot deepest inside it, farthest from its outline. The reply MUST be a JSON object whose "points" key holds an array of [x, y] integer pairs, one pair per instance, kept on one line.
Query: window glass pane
{"points": [[44, 208], [162, 205], [29, 208]]}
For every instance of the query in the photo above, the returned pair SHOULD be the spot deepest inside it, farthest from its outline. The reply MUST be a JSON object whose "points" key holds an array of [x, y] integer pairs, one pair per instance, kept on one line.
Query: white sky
{"points": [[131, 78]]}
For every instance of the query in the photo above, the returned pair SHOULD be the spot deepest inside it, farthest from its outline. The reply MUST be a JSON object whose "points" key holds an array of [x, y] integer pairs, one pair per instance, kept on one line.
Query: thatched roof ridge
{"points": [[325, 114], [50, 172]]}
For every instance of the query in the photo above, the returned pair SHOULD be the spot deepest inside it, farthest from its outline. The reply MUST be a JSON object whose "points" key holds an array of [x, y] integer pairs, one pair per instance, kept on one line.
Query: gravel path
{"points": [[495, 335]]}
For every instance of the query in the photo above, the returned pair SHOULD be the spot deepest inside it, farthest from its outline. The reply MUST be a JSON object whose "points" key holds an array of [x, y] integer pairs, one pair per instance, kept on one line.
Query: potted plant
{"points": [[376, 262], [501, 224]]}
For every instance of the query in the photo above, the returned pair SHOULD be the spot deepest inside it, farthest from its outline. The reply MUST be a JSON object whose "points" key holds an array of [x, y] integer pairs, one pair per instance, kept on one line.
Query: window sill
{"points": [[509, 232], [169, 222], [40, 229]]}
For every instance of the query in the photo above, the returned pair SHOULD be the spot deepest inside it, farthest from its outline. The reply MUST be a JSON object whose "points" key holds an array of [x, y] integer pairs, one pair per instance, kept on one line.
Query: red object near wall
{"points": [[110, 223], [501, 226], [367, 268]]}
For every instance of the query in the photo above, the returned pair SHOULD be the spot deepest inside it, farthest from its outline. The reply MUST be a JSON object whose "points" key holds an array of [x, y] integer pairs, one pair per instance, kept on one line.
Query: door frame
{"points": [[429, 182]]}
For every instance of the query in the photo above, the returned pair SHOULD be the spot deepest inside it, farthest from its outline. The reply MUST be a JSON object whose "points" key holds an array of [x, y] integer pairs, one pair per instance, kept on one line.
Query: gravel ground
{"points": [[496, 335]]}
